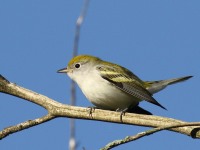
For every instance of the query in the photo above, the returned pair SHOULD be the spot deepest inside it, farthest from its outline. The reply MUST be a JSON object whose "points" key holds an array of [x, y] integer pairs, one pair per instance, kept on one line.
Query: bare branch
{"points": [[78, 26], [146, 133], [24, 125], [72, 142], [57, 109], [15, 90]]}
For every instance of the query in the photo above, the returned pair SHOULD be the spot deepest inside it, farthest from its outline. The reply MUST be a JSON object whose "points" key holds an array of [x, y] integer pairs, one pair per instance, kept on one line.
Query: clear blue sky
{"points": [[155, 39]]}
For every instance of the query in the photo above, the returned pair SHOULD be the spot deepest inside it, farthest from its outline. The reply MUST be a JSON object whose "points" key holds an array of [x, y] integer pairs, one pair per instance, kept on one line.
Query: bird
{"points": [[110, 86]]}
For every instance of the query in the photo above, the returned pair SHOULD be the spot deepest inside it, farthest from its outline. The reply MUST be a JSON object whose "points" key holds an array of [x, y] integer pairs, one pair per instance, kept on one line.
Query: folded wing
{"points": [[127, 82]]}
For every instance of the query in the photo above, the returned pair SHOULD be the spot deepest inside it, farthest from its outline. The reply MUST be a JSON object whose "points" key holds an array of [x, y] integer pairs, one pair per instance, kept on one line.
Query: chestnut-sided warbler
{"points": [[113, 87]]}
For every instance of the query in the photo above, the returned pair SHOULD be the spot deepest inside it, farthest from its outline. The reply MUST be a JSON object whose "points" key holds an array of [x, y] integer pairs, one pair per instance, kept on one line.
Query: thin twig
{"points": [[72, 141], [79, 22], [145, 133], [25, 125]]}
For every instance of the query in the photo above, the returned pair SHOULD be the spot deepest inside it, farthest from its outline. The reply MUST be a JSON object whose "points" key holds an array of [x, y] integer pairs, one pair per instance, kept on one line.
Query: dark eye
{"points": [[77, 65]]}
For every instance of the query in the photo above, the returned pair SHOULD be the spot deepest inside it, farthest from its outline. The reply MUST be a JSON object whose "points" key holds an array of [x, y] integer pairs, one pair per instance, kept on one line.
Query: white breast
{"points": [[103, 94]]}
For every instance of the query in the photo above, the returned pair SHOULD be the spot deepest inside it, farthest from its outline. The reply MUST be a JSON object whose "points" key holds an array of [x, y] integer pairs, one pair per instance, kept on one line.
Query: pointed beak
{"points": [[64, 70]]}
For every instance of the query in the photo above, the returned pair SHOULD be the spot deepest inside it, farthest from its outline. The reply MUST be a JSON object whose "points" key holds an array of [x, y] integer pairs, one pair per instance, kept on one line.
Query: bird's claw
{"points": [[91, 110], [122, 112]]}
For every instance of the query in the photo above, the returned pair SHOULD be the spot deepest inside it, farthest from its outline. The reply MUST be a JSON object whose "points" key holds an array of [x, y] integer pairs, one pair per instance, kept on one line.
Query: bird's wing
{"points": [[127, 82]]}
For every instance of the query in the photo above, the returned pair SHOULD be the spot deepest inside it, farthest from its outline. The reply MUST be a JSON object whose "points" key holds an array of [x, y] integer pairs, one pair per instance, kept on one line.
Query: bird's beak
{"points": [[64, 70]]}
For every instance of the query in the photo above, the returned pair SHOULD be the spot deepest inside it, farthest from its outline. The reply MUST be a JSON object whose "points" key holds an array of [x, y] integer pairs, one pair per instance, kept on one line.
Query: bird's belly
{"points": [[107, 96]]}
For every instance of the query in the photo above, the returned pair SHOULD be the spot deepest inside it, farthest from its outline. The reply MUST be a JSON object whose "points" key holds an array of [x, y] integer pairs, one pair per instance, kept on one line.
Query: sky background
{"points": [[155, 39]]}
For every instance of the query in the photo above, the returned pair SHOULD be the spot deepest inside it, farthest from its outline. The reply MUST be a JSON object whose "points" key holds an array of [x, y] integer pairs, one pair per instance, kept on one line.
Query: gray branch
{"points": [[79, 22], [25, 125], [145, 133]]}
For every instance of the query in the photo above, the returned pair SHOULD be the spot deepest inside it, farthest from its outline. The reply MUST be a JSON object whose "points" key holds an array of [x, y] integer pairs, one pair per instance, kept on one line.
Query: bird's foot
{"points": [[91, 110], [123, 111]]}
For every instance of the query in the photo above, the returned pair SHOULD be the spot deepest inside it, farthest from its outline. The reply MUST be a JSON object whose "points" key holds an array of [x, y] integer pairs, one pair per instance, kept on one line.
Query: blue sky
{"points": [[155, 39]]}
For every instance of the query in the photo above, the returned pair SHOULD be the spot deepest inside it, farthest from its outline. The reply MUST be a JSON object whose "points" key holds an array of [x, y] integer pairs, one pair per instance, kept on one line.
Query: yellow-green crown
{"points": [[82, 58]]}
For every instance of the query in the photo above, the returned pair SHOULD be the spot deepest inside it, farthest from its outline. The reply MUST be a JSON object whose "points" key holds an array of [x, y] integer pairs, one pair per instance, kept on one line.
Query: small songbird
{"points": [[113, 87]]}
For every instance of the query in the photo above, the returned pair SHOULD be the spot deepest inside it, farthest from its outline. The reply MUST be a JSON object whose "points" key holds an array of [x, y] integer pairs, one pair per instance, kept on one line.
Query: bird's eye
{"points": [[77, 65]]}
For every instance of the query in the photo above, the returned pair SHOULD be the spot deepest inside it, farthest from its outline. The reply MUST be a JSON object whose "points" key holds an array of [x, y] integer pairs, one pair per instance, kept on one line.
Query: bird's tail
{"points": [[156, 86]]}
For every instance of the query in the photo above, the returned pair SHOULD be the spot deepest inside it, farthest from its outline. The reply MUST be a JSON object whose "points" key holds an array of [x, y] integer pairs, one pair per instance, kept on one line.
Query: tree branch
{"points": [[79, 22], [145, 133], [24, 125], [56, 109]]}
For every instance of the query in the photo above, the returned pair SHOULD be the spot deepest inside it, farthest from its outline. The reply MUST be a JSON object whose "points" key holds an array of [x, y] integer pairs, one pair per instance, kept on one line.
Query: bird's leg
{"points": [[123, 111], [91, 110]]}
